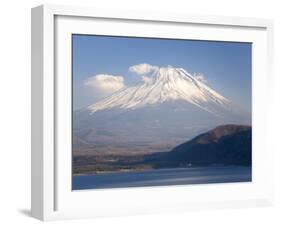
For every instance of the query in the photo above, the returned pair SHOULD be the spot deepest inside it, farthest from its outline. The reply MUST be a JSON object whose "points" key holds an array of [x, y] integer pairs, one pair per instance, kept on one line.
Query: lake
{"points": [[175, 176]]}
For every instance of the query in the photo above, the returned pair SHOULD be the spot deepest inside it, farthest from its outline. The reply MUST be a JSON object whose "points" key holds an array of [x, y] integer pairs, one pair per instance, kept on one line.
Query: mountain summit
{"points": [[165, 84]]}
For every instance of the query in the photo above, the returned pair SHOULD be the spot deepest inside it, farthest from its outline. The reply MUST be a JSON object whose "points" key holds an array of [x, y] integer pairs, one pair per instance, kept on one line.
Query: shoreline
{"points": [[158, 169]]}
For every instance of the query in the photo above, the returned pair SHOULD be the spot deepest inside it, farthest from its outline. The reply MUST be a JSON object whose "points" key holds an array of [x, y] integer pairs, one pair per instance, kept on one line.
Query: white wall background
{"points": [[15, 112]]}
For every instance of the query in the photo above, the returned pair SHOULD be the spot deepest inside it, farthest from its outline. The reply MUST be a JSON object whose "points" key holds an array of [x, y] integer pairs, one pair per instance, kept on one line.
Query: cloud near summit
{"points": [[200, 77], [142, 69], [105, 83]]}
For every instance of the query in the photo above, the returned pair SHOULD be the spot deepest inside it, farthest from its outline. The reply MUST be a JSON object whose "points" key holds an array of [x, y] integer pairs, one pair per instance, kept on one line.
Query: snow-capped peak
{"points": [[163, 85]]}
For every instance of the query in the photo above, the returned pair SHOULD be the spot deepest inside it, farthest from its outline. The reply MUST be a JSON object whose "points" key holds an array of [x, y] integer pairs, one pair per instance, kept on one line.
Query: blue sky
{"points": [[225, 65]]}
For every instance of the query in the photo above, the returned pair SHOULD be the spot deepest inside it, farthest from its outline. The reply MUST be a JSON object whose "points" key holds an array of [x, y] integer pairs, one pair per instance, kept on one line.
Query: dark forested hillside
{"points": [[226, 145]]}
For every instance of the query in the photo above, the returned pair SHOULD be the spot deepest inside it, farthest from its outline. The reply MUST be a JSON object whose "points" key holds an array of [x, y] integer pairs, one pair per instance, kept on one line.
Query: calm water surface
{"points": [[176, 176]]}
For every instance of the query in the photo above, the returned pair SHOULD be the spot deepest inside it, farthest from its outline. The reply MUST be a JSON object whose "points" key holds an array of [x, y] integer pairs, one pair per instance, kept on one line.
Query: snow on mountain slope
{"points": [[166, 84]]}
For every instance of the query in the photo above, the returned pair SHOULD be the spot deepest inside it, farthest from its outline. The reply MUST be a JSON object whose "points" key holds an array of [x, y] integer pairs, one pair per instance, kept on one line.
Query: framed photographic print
{"points": [[138, 112]]}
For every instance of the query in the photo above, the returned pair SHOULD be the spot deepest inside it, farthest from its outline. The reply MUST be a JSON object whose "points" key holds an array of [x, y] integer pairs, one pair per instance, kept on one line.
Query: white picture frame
{"points": [[52, 197]]}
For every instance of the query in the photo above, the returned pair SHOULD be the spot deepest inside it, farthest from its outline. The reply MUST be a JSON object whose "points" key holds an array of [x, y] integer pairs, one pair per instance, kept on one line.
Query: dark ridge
{"points": [[224, 145]]}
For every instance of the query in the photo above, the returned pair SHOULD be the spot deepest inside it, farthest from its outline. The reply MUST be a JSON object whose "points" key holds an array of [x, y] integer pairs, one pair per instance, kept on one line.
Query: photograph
{"points": [[160, 112]]}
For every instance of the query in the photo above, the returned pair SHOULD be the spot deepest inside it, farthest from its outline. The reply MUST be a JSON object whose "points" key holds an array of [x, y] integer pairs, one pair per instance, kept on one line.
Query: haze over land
{"points": [[227, 145]]}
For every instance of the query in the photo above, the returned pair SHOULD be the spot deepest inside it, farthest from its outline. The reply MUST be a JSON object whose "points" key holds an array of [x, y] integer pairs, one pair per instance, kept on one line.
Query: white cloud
{"points": [[147, 79], [142, 69], [200, 77], [104, 83]]}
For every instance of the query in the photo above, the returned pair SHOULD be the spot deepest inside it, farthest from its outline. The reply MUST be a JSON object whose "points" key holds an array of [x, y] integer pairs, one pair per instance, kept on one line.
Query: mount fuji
{"points": [[164, 85], [168, 107]]}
